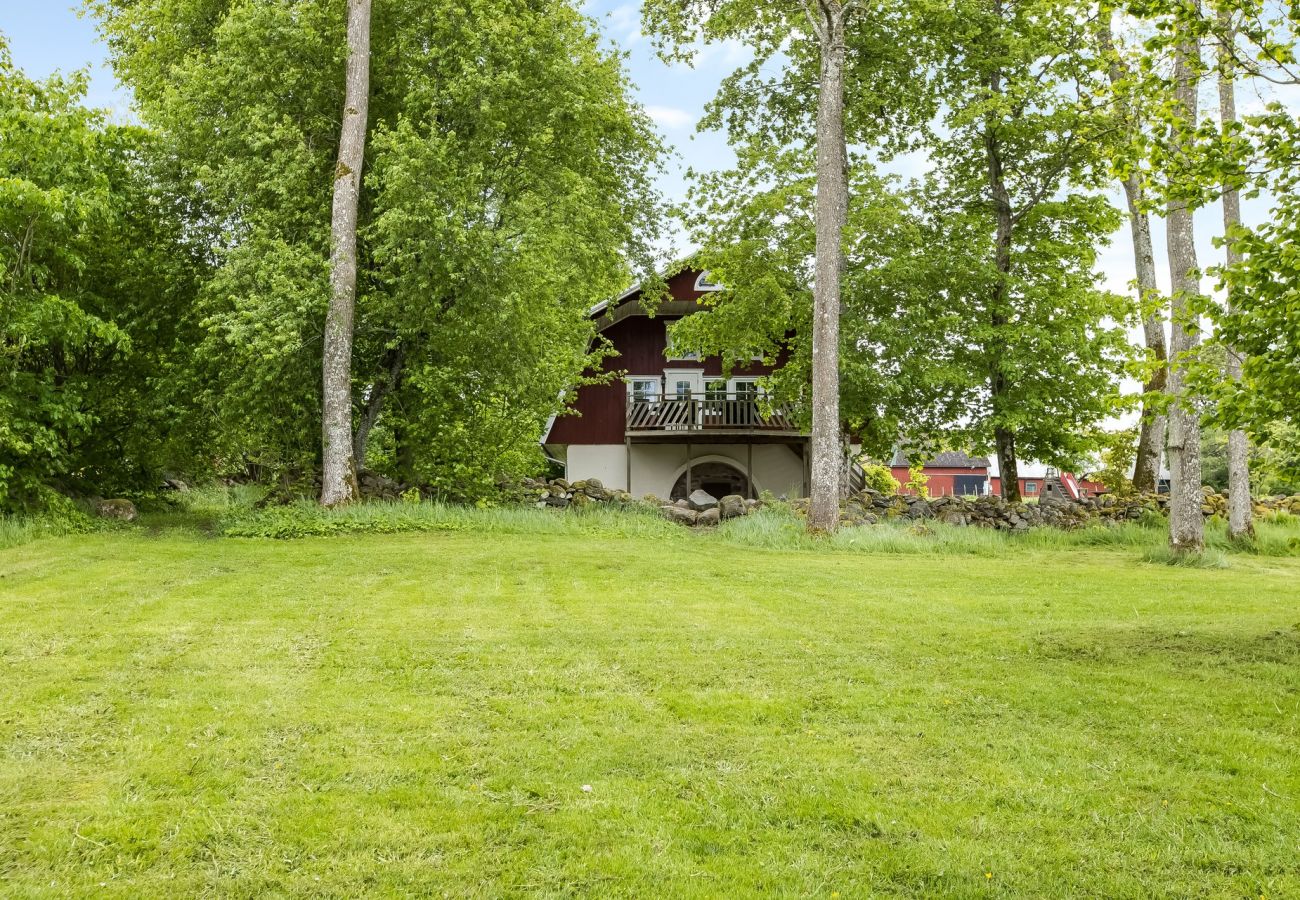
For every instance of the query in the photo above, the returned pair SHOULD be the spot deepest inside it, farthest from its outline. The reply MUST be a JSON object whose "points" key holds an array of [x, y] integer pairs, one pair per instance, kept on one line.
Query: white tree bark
{"points": [[339, 475], [1186, 526], [1240, 509], [831, 218], [1151, 439]]}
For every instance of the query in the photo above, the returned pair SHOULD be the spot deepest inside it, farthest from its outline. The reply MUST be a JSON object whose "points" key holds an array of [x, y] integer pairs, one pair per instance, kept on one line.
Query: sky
{"points": [[49, 35]]}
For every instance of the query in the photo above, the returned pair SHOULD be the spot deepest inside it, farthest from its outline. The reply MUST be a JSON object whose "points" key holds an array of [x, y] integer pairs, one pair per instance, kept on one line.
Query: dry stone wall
{"points": [[870, 507]]}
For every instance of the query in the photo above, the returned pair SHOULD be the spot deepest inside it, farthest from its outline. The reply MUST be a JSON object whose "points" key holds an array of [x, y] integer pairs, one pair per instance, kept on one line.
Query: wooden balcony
{"points": [[724, 420]]}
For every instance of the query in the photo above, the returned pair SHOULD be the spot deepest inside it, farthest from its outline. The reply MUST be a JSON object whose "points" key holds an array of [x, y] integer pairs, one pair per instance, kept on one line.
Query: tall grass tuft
{"points": [[1207, 559], [306, 519]]}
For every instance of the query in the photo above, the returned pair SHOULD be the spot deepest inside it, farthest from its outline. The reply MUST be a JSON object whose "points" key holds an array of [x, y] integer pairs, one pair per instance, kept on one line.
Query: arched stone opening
{"points": [[717, 478]]}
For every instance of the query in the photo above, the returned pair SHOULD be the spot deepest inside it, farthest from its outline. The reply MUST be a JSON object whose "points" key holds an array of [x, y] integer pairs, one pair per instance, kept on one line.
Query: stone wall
{"points": [[870, 507], [559, 493], [991, 511]]}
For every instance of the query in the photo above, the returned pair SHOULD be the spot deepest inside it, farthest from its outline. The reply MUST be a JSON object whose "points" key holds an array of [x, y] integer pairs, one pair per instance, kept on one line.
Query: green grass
{"points": [[959, 714]]}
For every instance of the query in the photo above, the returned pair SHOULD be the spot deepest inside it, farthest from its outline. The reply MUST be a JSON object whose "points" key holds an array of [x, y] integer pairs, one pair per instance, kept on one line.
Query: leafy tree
{"points": [[1258, 325], [1132, 122], [96, 279], [970, 308], [1203, 162], [1021, 164], [506, 191], [828, 50]]}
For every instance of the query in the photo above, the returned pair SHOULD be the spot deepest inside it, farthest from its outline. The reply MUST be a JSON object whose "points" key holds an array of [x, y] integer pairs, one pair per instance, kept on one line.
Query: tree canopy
{"points": [[507, 190], [96, 275]]}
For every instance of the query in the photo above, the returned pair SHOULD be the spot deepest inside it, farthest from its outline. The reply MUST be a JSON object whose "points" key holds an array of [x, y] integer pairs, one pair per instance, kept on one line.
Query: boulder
{"points": [[709, 517], [732, 505], [679, 515], [122, 510], [701, 500], [595, 490]]}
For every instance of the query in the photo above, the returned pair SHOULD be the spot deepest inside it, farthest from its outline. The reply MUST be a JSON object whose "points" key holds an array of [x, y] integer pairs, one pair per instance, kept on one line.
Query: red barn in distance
{"points": [[955, 472]]}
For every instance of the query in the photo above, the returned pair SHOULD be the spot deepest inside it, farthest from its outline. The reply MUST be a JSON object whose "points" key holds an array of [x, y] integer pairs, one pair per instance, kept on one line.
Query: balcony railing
{"points": [[706, 414]]}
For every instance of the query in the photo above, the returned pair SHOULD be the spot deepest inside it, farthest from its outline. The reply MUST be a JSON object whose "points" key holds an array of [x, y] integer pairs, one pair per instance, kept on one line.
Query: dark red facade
{"points": [[640, 342]]}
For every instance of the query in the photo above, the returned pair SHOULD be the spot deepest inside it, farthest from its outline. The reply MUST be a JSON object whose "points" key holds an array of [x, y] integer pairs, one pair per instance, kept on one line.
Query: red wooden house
{"points": [[955, 472], [672, 422]]}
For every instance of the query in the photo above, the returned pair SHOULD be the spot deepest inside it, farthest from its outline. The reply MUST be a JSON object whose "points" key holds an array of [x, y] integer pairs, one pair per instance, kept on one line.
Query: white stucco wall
{"points": [[608, 462], [656, 467]]}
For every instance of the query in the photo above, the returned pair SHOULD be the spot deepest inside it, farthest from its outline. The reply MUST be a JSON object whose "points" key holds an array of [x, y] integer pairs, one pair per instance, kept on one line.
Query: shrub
{"points": [[880, 478], [917, 480]]}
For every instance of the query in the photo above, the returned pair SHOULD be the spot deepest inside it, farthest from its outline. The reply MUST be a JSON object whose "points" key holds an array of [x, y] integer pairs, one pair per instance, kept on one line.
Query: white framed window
{"points": [[672, 351], [1031, 487], [744, 387], [643, 390]]}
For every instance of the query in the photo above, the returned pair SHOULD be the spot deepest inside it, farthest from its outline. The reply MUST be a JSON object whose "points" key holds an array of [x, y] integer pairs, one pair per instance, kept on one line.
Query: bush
{"points": [[60, 515], [880, 478]]}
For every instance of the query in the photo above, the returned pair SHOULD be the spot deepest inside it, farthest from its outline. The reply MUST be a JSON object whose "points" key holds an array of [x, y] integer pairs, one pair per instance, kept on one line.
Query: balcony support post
{"points": [[749, 471], [807, 467], [688, 470], [627, 456]]}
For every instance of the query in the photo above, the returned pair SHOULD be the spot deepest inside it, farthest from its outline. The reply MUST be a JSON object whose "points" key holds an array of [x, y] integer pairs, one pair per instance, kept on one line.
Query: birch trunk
{"points": [[1151, 439], [339, 475], [831, 217], [1186, 525], [1240, 510]]}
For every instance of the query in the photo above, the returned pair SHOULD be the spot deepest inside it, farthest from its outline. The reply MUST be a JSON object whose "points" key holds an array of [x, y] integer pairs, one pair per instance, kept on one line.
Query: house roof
{"points": [[949, 459], [680, 301]]}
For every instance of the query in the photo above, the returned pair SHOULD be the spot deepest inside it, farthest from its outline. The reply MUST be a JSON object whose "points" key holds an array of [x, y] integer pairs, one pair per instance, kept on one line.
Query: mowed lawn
{"points": [[493, 715]]}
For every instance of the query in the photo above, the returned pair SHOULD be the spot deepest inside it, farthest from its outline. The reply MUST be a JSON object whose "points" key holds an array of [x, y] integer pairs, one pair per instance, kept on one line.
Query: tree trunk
{"points": [[999, 386], [1240, 511], [1186, 525], [383, 386], [1008, 468], [831, 217], [339, 476], [1151, 439]]}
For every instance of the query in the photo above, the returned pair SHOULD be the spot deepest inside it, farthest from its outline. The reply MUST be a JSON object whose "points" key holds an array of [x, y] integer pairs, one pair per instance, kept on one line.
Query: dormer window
{"points": [[702, 283]]}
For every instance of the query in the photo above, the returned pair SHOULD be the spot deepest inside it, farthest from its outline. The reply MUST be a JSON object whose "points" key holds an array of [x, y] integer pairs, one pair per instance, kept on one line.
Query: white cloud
{"points": [[625, 24], [670, 117]]}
